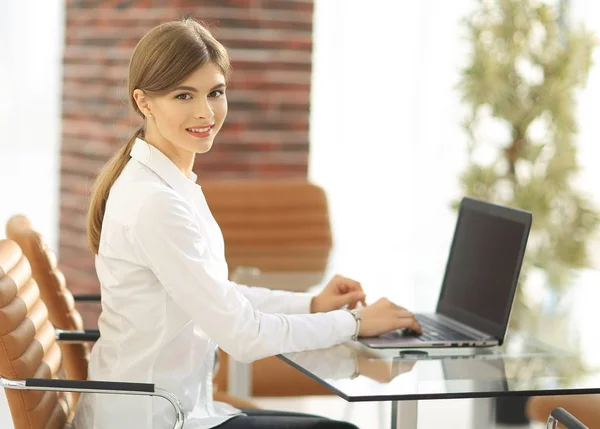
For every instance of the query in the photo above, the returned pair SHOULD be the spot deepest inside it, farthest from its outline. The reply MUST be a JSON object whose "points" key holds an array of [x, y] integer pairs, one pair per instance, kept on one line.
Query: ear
{"points": [[143, 102]]}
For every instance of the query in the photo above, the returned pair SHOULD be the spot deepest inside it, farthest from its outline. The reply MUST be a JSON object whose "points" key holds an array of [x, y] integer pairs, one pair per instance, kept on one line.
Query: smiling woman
{"points": [[185, 120], [170, 98], [167, 302]]}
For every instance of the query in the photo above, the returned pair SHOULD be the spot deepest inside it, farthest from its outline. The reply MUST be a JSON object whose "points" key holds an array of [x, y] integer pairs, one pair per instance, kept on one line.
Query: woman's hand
{"points": [[384, 316], [340, 291]]}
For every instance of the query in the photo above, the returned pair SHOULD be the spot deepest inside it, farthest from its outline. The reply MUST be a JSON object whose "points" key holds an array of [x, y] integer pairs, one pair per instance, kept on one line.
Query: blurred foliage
{"points": [[521, 81]]}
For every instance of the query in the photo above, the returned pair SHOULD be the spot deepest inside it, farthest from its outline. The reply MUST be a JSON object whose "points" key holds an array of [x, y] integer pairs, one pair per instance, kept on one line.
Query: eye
{"points": [[184, 96], [216, 94]]}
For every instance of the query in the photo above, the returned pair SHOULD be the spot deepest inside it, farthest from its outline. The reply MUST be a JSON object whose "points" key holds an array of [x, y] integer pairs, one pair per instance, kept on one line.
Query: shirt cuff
{"points": [[347, 323], [299, 303]]}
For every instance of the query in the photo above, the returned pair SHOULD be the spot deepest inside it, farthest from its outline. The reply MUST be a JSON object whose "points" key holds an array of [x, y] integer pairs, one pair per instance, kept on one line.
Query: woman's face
{"points": [[186, 120]]}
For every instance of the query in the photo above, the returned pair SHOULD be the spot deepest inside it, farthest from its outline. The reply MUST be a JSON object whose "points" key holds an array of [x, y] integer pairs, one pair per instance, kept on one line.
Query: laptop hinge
{"points": [[459, 326]]}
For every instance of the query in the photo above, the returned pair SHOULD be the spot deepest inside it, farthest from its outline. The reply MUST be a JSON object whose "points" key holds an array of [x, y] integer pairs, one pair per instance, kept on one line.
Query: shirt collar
{"points": [[158, 162]]}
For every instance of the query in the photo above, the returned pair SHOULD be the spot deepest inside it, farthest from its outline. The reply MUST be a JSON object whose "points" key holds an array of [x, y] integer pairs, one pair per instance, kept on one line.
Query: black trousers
{"points": [[265, 419]]}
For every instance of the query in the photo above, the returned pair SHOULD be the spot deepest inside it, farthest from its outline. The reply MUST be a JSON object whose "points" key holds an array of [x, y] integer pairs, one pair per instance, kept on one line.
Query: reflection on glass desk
{"points": [[357, 373], [521, 367]]}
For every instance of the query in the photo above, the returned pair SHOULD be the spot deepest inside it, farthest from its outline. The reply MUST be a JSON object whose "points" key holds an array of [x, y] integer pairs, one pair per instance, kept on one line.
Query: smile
{"points": [[200, 130]]}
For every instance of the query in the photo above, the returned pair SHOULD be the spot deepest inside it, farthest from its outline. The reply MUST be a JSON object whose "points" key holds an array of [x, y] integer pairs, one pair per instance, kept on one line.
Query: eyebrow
{"points": [[192, 89]]}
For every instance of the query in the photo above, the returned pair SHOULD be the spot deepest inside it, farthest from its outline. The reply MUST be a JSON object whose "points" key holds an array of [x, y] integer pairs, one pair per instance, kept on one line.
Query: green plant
{"points": [[521, 81]]}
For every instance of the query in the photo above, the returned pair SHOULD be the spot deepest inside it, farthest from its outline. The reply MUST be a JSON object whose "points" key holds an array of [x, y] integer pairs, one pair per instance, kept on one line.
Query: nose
{"points": [[204, 109]]}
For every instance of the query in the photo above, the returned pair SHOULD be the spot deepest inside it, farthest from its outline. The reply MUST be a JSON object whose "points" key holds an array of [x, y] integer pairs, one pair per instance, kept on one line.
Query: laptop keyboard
{"points": [[434, 331]]}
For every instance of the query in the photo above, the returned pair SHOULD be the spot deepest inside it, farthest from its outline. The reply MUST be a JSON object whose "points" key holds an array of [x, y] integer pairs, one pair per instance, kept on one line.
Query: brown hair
{"points": [[162, 59]]}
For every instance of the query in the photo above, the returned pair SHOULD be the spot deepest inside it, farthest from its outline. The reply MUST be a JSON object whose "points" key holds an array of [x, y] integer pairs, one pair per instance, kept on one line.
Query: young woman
{"points": [[166, 301]]}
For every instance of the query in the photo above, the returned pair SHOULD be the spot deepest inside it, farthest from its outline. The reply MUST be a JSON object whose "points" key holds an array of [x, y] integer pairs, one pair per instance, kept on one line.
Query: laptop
{"points": [[479, 284]]}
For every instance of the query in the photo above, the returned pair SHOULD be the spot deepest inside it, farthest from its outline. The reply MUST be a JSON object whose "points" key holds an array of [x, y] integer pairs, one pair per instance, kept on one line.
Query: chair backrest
{"points": [[54, 292], [28, 347], [274, 225]]}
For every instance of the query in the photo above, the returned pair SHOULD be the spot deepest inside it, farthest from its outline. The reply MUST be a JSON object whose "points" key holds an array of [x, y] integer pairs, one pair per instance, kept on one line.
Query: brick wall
{"points": [[265, 135]]}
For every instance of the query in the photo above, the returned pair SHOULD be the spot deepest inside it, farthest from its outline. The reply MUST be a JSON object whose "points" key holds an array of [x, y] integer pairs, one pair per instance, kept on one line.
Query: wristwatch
{"points": [[356, 314]]}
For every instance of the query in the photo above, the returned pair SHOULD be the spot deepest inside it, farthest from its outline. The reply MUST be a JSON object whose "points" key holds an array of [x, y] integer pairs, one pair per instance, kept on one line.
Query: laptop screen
{"points": [[484, 265]]}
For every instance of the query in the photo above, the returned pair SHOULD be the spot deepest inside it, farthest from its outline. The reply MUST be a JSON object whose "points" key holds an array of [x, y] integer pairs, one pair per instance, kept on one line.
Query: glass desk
{"points": [[526, 365], [521, 367]]}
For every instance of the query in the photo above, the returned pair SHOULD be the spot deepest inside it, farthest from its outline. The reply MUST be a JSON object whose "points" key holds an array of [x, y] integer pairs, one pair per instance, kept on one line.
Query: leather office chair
{"points": [[53, 291], [60, 302], [30, 359], [585, 407], [272, 225]]}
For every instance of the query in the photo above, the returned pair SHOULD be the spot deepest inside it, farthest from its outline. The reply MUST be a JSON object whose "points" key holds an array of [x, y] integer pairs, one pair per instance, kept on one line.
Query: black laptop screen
{"points": [[483, 267]]}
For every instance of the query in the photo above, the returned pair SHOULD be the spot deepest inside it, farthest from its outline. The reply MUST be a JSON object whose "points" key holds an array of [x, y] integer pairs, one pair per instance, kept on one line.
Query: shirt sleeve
{"points": [[167, 239], [276, 301]]}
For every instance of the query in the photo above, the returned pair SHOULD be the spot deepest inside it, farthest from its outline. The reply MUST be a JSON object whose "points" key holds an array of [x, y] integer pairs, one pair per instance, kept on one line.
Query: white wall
{"points": [[385, 134], [31, 35], [31, 43], [386, 141], [588, 108]]}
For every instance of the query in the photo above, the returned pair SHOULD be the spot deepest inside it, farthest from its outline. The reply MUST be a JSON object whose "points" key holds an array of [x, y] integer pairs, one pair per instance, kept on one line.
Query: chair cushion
{"points": [[54, 292], [28, 346]]}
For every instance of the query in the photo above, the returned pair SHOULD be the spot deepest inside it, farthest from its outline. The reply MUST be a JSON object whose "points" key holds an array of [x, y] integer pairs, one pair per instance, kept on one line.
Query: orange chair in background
{"points": [[272, 225]]}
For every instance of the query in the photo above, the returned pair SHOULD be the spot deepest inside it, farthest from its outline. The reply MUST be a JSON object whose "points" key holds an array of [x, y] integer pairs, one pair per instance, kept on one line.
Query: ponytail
{"points": [[104, 181]]}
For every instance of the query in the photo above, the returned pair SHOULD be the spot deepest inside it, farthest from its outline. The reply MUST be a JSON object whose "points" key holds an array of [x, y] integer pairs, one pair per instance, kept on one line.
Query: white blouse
{"points": [[167, 303]]}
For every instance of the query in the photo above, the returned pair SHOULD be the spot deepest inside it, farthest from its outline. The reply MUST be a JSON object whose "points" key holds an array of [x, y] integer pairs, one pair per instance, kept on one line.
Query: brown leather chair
{"points": [[60, 302], [53, 291], [272, 225], [30, 359], [585, 407]]}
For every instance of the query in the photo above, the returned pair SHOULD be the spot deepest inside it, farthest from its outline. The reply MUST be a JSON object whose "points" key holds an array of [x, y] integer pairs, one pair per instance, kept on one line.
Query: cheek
{"points": [[221, 110], [173, 117]]}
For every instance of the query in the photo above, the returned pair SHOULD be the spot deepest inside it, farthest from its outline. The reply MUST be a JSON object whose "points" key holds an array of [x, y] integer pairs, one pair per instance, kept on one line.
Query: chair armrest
{"points": [[562, 416], [78, 336], [91, 297], [102, 387], [106, 386]]}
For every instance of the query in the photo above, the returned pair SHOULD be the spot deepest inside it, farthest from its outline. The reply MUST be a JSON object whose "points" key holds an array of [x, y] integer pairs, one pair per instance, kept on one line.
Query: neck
{"points": [[184, 160]]}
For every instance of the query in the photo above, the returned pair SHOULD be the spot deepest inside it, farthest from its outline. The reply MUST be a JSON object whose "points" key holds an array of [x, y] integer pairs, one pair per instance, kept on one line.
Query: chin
{"points": [[203, 147]]}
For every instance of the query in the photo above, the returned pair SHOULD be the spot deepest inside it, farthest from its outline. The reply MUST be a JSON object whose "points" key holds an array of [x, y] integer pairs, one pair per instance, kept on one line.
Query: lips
{"points": [[200, 129], [200, 132]]}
